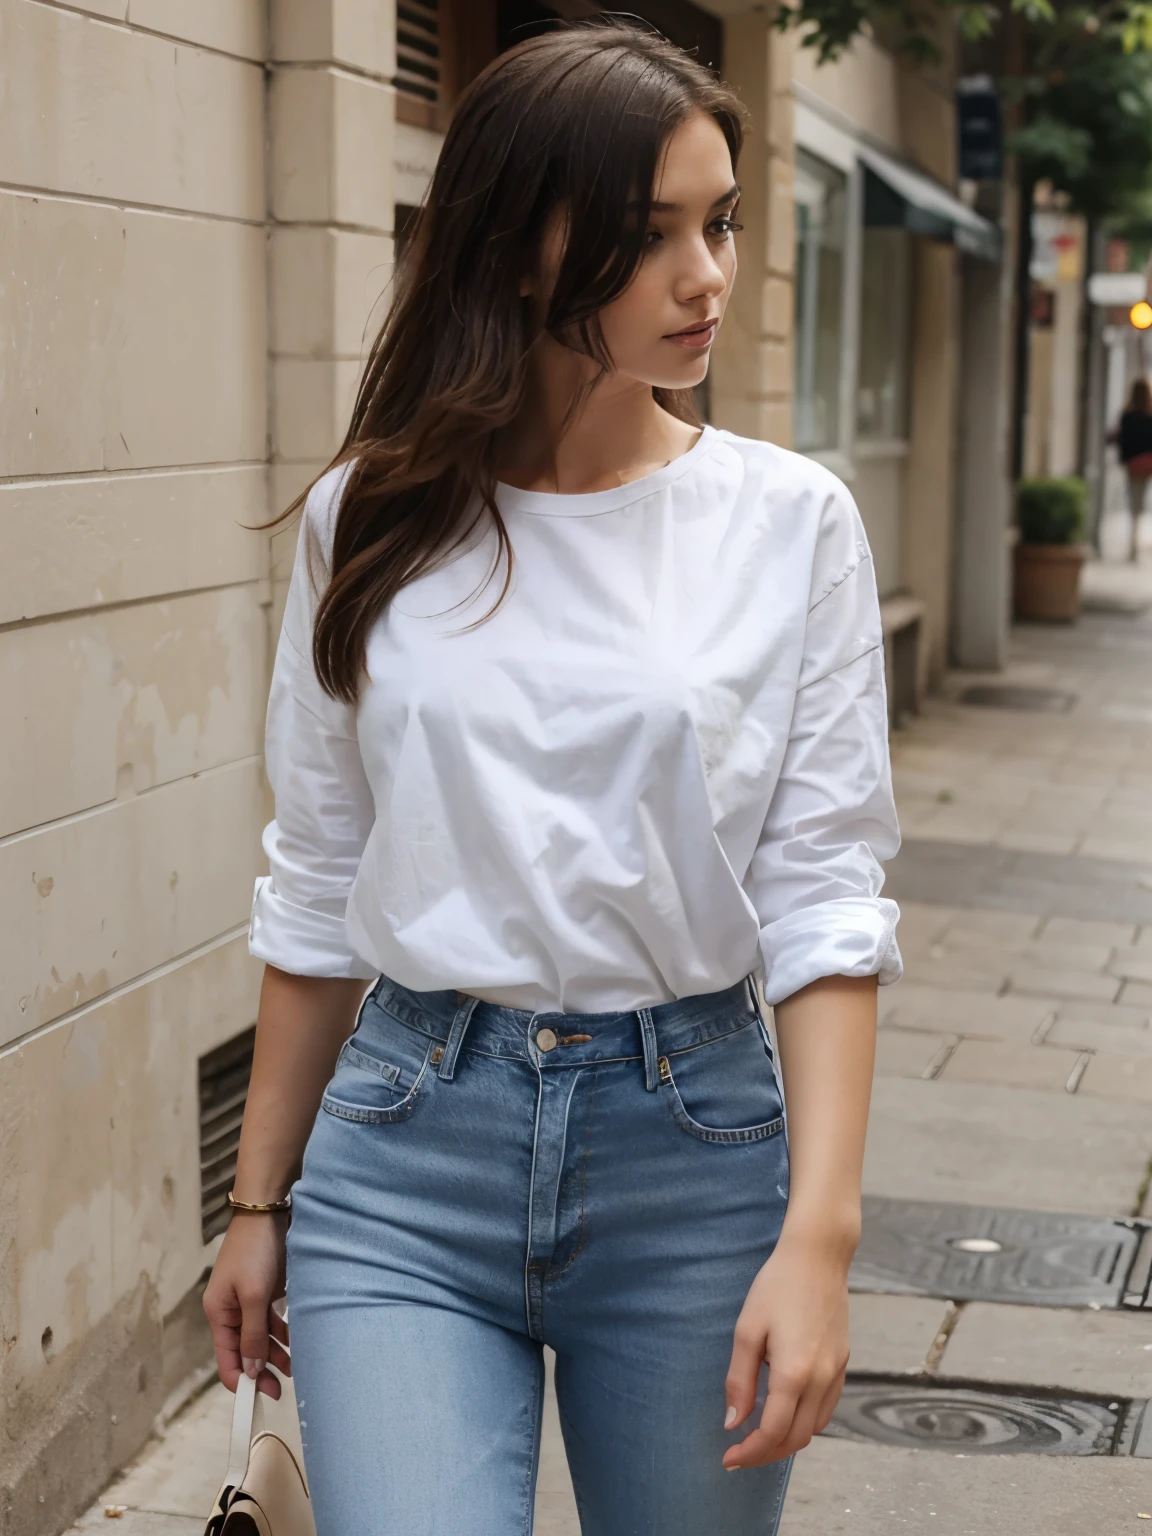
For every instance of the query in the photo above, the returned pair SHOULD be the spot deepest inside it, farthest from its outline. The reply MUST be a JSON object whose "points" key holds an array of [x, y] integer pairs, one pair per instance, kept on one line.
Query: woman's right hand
{"points": [[247, 1278]]}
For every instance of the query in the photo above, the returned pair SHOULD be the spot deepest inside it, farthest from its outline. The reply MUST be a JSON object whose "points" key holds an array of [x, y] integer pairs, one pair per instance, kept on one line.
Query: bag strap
{"points": [[243, 1416]]}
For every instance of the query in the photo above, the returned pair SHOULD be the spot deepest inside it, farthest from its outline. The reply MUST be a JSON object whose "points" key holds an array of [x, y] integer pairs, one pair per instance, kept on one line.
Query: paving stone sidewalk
{"points": [[1014, 1069]]}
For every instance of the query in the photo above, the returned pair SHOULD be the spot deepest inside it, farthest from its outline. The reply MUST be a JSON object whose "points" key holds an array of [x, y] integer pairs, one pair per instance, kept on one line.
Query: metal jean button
{"points": [[546, 1040]]}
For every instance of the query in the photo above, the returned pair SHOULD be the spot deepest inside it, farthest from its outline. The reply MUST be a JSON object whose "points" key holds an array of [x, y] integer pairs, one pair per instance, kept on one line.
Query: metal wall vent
{"points": [[1049, 701], [976, 1420], [988, 1253], [418, 49], [224, 1075]]}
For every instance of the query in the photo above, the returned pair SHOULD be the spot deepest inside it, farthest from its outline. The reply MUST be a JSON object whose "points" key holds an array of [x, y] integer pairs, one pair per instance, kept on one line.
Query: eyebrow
{"points": [[730, 196]]}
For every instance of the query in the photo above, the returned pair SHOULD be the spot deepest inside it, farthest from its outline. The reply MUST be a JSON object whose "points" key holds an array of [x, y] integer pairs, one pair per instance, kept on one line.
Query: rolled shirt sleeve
{"points": [[816, 875], [324, 805]]}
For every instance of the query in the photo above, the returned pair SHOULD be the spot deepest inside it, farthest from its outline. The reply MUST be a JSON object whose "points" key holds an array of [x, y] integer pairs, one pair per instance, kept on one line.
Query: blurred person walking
{"points": [[575, 838], [1133, 437]]}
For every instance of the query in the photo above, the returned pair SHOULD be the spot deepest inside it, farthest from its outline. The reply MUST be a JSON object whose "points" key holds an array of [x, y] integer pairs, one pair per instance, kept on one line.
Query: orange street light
{"points": [[1141, 315]]}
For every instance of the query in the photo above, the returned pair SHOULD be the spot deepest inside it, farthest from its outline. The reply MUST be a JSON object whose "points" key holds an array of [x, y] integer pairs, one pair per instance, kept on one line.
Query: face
{"points": [[659, 332]]}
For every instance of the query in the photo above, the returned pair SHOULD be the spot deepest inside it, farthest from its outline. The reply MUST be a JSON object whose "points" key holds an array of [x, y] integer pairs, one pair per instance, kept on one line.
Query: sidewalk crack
{"points": [[940, 1342]]}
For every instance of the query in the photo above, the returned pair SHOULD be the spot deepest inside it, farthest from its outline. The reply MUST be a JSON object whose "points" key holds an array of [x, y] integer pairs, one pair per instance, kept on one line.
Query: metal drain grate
{"points": [[224, 1075], [985, 1253], [1047, 701], [975, 1420]]}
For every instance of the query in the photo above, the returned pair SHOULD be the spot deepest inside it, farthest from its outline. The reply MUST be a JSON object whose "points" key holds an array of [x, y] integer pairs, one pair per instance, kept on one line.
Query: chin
{"points": [[682, 378]]}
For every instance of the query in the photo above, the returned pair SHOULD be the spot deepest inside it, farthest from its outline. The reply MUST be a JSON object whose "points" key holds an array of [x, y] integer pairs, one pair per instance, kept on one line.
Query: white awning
{"points": [[898, 196]]}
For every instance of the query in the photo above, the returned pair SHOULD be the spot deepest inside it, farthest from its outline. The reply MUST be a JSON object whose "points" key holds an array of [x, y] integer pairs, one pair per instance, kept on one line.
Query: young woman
{"points": [[578, 740], [1134, 437]]}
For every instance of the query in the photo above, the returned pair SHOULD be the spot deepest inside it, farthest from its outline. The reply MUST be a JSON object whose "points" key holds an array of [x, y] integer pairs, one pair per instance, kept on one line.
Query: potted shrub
{"points": [[1051, 516]]}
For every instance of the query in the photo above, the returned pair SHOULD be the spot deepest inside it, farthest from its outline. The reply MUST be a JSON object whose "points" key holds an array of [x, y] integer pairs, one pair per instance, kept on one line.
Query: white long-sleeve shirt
{"points": [[662, 760]]}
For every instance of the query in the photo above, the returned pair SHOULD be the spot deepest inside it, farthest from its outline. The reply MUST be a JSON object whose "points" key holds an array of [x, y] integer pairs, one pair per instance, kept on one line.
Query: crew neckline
{"points": [[511, 498]]}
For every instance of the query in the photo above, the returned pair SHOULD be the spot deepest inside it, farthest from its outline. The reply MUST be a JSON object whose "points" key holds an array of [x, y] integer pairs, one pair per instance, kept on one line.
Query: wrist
{"points": [[829, 1234]]}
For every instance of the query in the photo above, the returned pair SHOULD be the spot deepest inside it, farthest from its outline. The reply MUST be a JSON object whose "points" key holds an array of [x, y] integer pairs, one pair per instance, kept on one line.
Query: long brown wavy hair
{"points": [[575, 120]]}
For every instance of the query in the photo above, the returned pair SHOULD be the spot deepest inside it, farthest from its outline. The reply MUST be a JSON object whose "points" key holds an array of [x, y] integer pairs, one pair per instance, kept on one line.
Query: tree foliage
{"points": [[829, 26], [1079, 77]]}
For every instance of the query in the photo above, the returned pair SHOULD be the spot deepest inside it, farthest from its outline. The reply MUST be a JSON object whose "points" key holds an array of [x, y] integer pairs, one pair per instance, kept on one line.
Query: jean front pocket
{"points": [[379, 1071], [725, 1090]]}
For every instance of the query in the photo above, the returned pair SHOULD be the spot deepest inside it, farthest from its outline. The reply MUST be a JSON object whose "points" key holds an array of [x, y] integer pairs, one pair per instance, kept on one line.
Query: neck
{"points": [[617, 434]]}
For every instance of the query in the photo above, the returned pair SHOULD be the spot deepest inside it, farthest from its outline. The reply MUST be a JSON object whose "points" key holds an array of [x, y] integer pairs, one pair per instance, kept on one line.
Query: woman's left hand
{"points": [[796, 1318]]}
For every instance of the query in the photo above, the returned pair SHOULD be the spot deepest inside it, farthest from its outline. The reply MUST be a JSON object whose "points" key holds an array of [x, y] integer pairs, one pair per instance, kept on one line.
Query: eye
{"points": [[651, 236], [725, 225]]}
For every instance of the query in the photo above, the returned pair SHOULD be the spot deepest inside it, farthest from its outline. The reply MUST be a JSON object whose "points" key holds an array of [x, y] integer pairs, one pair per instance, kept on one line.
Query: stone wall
{"points": [[195, 219]]}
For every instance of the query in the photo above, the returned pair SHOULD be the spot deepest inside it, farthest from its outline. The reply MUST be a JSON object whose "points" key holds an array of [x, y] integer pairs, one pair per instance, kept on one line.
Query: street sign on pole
{"points": [[1117, 290]]}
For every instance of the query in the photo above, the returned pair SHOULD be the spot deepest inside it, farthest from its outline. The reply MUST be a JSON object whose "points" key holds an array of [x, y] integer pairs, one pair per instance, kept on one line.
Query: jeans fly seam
{"points": [[554, 1274], [531, 1204]]}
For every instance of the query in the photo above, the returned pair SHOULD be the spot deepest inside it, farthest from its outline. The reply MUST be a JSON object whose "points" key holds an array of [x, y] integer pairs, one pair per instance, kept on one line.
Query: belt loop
{"points": [[648, 1036], [446, 1071]]}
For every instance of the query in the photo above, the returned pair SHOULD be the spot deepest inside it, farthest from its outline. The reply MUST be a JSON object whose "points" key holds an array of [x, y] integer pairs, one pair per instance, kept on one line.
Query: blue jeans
{"points": [[482, 1181]]}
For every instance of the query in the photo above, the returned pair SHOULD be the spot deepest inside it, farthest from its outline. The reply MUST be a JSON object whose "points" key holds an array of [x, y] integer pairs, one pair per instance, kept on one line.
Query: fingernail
{"points": [[730, 1419], [252, 1367]]}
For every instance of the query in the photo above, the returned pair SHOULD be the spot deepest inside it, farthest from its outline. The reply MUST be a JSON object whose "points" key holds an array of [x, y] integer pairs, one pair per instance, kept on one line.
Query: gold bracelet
{"points": [[271, 1205]]}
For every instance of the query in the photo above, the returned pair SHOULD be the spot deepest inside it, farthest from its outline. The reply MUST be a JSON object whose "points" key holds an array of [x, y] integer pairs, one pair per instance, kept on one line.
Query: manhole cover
{"points": [[991, 1421], [986, 1253], [1049, 701]]}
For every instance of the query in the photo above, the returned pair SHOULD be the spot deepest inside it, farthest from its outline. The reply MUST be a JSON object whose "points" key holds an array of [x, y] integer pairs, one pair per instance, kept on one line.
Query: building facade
{"points": [[198, 203]]}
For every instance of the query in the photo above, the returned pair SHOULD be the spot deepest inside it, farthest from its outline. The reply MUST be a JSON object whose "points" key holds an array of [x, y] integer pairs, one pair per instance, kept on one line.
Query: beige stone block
{"points": [[1060, 930], [1132, 963], [102, 1177], [92, 902], [329, 291], [969, 973], [778, 297], [108, 112], [974, 927], [145, 344], [85, 541], [332, 136], [1119, 1077], [947, 1010], [112, 10], [286, 482], [1130, 850], [414, 160], [1120, 1037], [1010, 1065], [991, 1143], [357, 33], [1051, 1347], [781, 249], [965, 824], [1047, 981], [140, 696], [1023, 841], [311, 407], [892, 1335], [747, 416], [1137, 994], [232, 26], [911, 1052], [921, 923]]}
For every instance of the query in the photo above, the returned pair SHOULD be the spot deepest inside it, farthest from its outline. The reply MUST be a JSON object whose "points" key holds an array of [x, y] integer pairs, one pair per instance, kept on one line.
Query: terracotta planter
{"points": [[1047, 582]]}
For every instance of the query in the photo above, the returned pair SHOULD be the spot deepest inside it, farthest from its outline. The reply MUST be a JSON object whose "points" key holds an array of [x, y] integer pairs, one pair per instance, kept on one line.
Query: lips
{"points": [[695, 336]]}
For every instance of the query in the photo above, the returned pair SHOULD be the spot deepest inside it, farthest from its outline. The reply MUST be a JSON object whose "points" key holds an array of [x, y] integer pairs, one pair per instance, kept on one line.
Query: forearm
{"points": [[301, 1025], [827, 1042]]}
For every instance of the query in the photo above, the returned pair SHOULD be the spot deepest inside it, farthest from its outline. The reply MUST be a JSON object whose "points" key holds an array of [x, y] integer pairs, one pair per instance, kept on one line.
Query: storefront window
{"points": [[885, 297], [821, 199]]}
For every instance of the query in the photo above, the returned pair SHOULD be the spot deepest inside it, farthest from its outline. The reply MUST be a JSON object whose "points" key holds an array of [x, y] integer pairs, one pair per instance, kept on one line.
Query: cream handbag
{"points": [[264, 1492]]}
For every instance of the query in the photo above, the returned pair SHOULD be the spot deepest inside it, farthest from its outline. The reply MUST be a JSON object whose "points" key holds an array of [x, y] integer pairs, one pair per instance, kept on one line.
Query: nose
{"points": [[702, 276]]}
